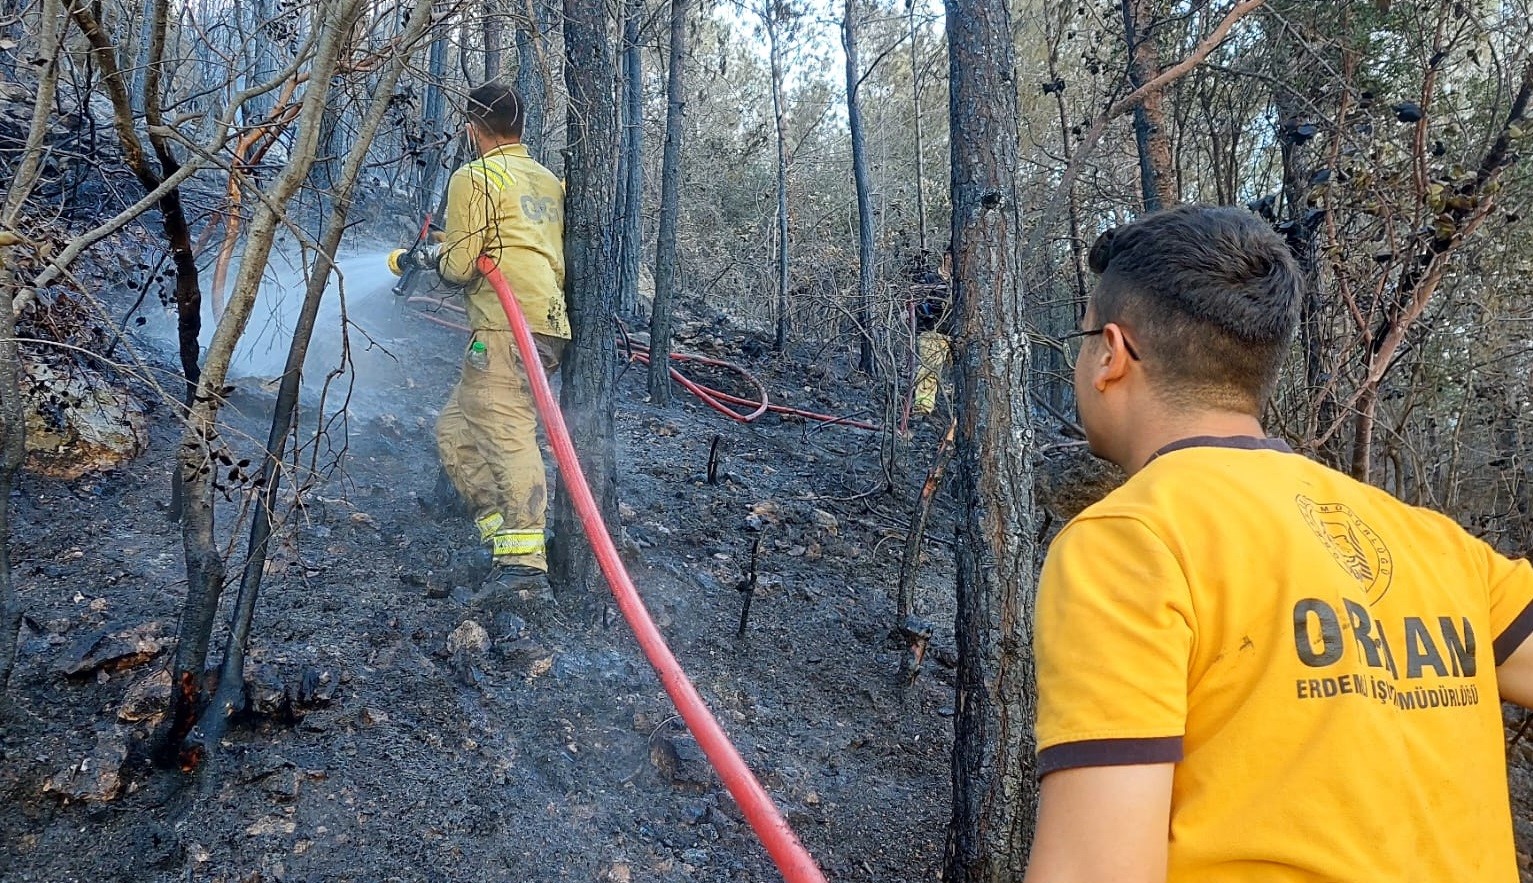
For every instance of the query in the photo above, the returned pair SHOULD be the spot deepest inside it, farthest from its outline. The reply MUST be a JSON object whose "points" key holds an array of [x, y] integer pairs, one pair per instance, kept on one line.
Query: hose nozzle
{"points": [[421, 257]]}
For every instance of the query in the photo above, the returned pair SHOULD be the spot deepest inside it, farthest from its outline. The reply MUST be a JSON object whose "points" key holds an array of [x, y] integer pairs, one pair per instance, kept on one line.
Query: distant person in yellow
{"points": [[506, 205], [931, 302], [1252, 667]]}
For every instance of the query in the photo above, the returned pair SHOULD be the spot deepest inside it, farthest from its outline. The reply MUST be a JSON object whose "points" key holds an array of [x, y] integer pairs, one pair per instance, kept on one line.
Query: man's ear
{"points": [[1112, 363]]}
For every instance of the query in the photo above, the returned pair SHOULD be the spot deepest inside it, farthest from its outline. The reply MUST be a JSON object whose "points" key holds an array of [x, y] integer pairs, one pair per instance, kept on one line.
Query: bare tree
{"points": [[994, 789], [188, 290], [630, 182], [865, 257], [198, 458], [666, 276], [229, 698]]}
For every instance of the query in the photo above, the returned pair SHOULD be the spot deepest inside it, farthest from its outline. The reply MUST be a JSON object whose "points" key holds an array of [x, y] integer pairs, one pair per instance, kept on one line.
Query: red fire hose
{"points": [[781, 843], [713, 398]]}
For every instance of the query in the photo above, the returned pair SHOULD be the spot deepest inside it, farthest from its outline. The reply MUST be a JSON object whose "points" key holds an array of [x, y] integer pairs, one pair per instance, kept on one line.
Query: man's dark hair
{"points": [[1209, 297], [498, 109]]}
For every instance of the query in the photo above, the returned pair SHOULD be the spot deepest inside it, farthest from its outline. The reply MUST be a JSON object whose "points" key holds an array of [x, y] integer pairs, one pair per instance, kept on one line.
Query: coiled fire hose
{"points": [[795, 863], [716, 399]]}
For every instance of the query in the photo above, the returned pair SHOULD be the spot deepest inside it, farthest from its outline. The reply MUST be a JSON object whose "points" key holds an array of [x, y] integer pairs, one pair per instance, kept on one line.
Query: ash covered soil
{"points": [[387, 750], [386, 747]]}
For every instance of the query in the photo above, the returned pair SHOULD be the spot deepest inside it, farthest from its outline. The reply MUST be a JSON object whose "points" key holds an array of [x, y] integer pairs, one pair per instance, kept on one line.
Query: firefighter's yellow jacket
{"points": [[510, 207]]}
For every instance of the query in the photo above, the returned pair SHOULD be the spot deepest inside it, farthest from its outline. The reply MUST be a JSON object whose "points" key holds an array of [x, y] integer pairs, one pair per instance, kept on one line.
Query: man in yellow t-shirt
{"points": [[508, 206], [1252, 667]]}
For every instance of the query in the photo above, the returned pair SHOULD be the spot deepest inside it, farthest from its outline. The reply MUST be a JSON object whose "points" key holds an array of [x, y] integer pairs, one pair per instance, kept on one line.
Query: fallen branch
{"points": [[910, 562]]}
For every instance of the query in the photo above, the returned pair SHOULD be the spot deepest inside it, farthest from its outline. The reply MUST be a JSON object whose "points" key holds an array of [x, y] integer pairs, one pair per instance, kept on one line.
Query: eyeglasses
{"points": [[1092, 332]]}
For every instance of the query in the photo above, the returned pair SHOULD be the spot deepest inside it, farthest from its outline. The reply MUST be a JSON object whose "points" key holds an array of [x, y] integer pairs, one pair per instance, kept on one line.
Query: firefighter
{"points": [[929, 294], [506, 205]]}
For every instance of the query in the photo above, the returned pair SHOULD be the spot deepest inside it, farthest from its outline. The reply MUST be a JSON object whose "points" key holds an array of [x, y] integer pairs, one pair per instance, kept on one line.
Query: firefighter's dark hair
{"points": [[498, 109], [1210, 295]]}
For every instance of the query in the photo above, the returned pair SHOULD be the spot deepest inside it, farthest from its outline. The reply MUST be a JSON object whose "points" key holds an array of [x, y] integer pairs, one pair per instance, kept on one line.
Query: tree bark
{"points": [[434, 113], [197, 459], [591, 277], [493, 27], [780, 120], [994, 788], [915, 103], [1157, 178], [864, 188], [532, 75], [631, 175], [666, 276]]}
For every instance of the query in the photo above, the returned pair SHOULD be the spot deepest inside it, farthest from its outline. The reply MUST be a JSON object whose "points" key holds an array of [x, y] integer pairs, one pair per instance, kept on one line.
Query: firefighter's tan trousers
{"points": [[933, 351], [487, 437]]}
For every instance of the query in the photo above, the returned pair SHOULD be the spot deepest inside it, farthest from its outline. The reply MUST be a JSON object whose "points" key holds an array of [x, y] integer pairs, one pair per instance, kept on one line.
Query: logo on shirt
{"points": [[1352, 543]]}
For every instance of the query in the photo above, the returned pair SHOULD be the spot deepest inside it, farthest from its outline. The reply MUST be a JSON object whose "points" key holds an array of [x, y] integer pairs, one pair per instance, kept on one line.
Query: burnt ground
{"points": [[382, 756], [379, 755]]}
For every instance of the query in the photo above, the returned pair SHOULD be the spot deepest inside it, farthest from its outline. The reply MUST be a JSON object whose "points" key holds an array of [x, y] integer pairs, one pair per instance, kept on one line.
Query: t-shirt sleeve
{"points": [[1113, 641], [1510, 583]]}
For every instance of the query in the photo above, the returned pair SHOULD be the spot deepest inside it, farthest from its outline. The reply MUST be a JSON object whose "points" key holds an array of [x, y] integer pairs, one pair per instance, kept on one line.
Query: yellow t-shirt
{"points": [[508, 206], [1316, 657]]}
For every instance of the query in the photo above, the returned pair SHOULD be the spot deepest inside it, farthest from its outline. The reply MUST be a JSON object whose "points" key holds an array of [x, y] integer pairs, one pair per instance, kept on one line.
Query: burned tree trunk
{"points": [[591, 277], [188, 290], [177, 229], [1157, 179], [434, 113], [532, 75], [493, 23], [198, 459], [994, 789], [666, 281], [229, 697], [631, 167], [780, 119], [864, 196]]}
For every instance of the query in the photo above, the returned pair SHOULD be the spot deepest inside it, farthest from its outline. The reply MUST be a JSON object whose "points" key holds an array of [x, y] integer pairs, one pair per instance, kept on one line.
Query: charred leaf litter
{"points": [[395, 739]]}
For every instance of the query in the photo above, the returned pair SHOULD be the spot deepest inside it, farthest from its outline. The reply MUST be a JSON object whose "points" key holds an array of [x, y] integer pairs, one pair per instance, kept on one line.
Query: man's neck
{"points": [[1154, 434], [490, 145]]}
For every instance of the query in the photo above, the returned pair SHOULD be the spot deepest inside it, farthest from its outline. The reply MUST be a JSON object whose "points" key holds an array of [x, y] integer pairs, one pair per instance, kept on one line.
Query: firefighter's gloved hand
{"points": [[425, 256]]}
